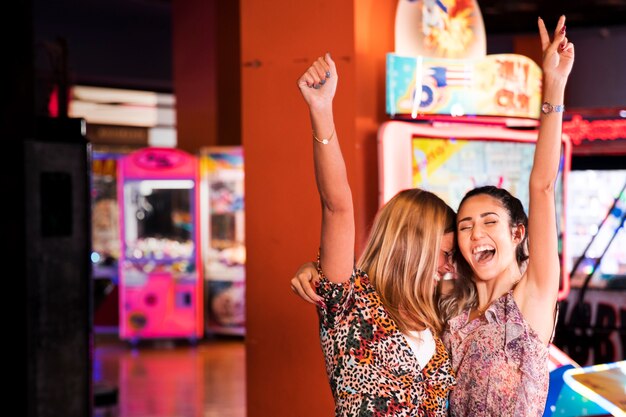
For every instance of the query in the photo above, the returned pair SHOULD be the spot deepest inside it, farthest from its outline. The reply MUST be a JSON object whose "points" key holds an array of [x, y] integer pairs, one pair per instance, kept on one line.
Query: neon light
{"points": [[579, 129]]}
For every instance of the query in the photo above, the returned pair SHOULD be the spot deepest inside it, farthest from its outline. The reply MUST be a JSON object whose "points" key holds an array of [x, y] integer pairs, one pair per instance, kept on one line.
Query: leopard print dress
{"points": [[371, 368]]}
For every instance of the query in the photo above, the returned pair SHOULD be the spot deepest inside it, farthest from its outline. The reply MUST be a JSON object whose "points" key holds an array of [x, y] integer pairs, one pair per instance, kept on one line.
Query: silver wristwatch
{"points": [[549, 108]]}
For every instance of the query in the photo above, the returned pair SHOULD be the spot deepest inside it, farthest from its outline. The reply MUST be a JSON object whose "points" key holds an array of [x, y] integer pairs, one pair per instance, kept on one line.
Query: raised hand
{"points": [[558, 54], [319, 83]]}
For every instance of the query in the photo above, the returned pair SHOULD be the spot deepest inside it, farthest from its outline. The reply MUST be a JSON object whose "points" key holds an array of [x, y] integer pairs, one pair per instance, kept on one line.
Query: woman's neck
{"points": [[491, 290]]}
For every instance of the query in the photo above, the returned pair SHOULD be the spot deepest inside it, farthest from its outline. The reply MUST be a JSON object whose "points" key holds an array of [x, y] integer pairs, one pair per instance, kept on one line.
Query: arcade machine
{"points": [[223, 240], [576, 391], [596, 390], [160, 279], [105, 239]]}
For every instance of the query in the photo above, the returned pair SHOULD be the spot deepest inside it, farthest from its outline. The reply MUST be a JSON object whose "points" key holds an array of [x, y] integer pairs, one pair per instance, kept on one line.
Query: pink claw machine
{"points": [[160, 278]]}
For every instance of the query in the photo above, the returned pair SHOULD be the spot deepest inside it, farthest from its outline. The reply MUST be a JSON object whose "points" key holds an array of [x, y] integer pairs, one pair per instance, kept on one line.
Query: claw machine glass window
{"points": [[223, 239], [160, 282]]}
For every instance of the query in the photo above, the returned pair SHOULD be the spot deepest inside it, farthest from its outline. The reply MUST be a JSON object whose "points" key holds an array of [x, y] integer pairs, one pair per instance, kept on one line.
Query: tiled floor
{"points": [[172, 379]]}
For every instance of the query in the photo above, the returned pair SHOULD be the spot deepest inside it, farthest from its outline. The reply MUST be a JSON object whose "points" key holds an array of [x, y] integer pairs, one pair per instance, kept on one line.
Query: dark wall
{"points": [[598, 78], [128, 43], [116, 43], [45, 216]]}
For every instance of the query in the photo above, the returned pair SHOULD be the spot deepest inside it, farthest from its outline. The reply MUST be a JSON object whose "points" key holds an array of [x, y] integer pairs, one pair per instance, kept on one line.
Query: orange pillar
{"points": [[374, 38], [285, 368], [207, 73]]}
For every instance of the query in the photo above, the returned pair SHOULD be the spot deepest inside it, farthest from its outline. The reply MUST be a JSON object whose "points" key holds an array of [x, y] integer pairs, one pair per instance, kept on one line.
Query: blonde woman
{"points": [[379, 322]]}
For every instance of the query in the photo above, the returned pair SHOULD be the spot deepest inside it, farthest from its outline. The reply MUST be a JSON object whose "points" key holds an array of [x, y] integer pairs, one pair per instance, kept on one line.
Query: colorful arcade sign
{"points": [[503, 85], [440, 29]]}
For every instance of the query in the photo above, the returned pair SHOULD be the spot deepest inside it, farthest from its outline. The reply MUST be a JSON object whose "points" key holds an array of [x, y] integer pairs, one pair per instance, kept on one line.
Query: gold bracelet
{"points": [[324, 141]]}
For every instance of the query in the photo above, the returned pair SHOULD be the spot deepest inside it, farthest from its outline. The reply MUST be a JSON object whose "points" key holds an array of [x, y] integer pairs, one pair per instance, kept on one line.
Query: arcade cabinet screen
{"points": [[596, 202], [158, 216]]}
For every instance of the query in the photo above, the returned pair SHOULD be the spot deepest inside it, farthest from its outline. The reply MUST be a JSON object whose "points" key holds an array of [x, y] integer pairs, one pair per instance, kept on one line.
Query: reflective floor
{"points": [[170, 379]]}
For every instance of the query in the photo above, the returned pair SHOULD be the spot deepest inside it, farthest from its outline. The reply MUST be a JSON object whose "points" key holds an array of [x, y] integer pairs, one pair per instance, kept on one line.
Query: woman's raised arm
{"points": [[543, 272], [318, 85]]}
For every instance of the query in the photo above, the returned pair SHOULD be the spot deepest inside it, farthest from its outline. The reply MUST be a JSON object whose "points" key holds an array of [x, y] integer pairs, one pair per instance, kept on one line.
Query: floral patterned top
{"points": [[371, 368], [501, 364]]}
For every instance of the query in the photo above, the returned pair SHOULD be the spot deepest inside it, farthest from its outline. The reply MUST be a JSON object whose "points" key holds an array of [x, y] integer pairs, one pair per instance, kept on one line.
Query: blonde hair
{"points": [[401, 254]]}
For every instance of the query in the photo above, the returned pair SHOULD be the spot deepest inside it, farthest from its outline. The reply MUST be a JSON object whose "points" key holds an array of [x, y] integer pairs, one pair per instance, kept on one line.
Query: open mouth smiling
{"points": [[483, 253]]}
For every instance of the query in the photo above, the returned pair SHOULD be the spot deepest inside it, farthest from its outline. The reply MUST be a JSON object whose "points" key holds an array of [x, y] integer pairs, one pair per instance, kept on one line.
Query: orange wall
{"points": [[195, 62], [285, 370], [374, 37], [207, 73]]}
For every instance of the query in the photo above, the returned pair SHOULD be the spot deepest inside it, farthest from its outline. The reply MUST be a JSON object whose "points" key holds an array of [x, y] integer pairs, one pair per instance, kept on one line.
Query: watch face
{"points": [[546, 108]]}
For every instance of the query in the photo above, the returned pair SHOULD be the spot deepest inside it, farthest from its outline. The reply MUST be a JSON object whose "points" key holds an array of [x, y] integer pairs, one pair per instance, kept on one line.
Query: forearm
{"points": [[330, 169], [543, 268], [337, 235], [541, 285], [548, 147], [318, 85]]}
